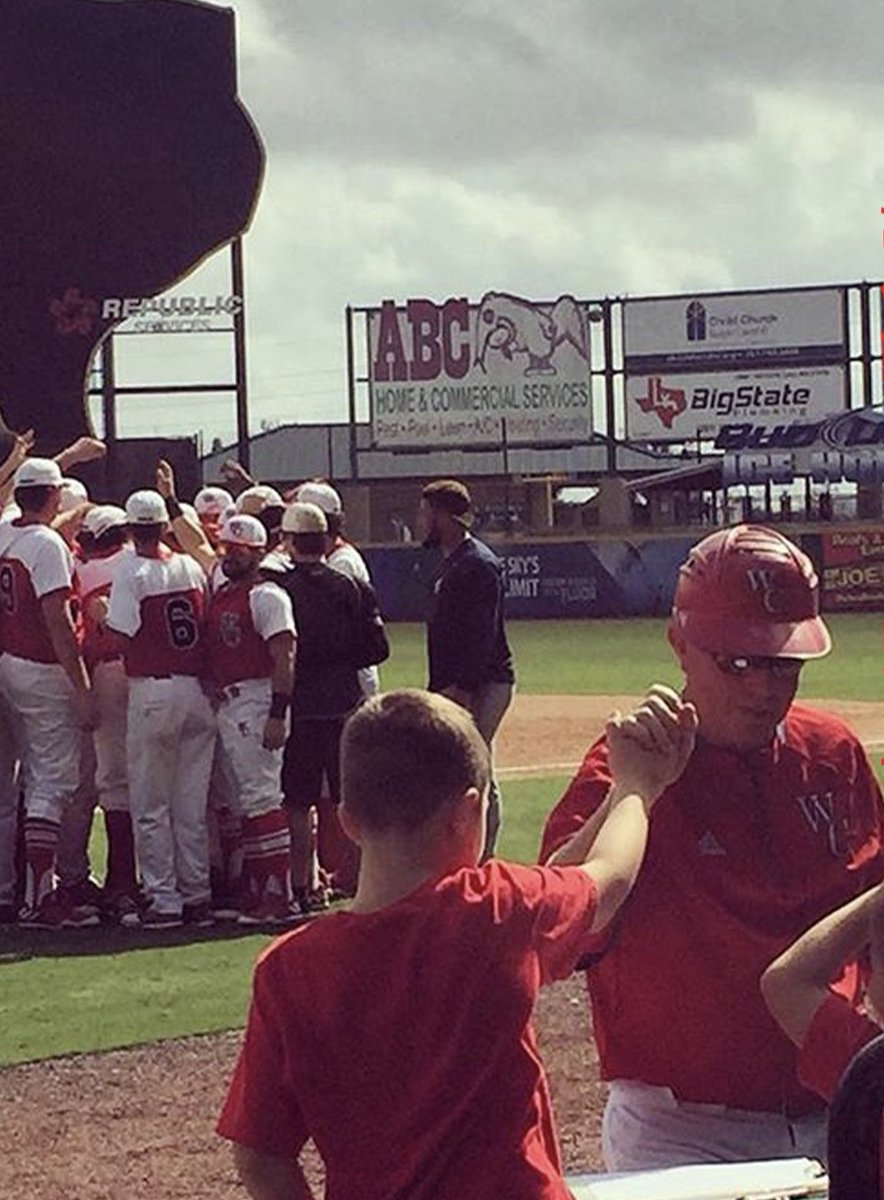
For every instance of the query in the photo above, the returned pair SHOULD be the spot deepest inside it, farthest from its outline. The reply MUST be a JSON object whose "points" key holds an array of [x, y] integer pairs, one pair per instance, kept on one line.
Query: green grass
{"points": [[96, 990], [614, 657]]}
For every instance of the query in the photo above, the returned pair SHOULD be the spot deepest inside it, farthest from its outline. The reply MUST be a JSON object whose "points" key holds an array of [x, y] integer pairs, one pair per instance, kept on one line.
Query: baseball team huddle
{"points": [[148, 668], [208, 677]]}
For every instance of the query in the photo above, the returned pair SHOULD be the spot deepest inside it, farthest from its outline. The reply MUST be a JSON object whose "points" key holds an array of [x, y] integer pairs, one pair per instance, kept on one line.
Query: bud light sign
{"points": [[462, 374]]}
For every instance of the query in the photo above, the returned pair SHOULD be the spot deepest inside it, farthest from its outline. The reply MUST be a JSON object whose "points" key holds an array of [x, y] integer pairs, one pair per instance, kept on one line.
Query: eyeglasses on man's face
{"points": [[740, 665]]}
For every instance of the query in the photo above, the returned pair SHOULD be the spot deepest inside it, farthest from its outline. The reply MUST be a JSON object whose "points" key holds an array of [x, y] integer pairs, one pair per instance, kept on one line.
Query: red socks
{"points": [[266, 864]]}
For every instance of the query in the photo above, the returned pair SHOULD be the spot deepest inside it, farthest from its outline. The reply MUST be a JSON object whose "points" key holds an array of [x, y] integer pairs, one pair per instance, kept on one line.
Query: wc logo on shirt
{"points": [[827, 816], [231, 633]]}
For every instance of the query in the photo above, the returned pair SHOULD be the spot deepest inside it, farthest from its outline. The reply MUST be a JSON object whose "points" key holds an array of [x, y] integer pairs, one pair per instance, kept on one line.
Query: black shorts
{"points": [[311, 752]]}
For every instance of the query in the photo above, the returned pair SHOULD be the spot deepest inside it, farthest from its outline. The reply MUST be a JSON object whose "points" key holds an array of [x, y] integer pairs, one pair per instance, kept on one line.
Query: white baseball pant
{"points": [[8, 807], [42, 696], [646, 1127], [242, 714], [111, 688], [170, 738], [72, 856]]}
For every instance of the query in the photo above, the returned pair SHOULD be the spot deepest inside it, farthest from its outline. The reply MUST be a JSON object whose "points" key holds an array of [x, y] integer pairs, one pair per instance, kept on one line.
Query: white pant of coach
{"points": [[242, 714], [170, 739], [646, 1128]]}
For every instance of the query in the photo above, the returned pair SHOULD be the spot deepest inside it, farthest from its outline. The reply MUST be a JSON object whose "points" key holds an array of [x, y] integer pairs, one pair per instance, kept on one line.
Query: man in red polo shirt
{"points": [[776, 820]]}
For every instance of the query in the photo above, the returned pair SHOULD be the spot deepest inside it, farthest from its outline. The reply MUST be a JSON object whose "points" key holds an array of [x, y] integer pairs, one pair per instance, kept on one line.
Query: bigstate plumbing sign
{"points": [[467, 374], [693, 363]]}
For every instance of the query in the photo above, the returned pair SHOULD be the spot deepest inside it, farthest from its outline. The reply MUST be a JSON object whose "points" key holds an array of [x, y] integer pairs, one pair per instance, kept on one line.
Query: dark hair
{"points": [[448, 495], [271, 517], [146, 533], [335, 523], [112, 538], [309, 543], [406, 754], [34, 497]]}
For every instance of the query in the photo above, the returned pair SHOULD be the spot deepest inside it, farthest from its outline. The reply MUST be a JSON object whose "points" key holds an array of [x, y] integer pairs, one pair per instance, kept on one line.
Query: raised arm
{"points": [[796, 984], [648, 750], [190, 534]]}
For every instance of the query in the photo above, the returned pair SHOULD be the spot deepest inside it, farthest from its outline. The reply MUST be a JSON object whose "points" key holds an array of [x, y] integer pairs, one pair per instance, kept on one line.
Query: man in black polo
{"points": [[469, 657]]}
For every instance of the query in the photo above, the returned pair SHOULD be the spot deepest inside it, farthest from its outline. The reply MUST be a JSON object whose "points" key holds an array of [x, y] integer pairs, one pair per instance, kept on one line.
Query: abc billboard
{"points": [[464, 374]]}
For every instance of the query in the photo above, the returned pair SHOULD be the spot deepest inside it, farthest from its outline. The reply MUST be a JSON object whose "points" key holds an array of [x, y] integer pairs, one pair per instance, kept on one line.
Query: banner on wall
{"points": [[733, 331], [702, 404], [466, 374], [853, 571], [545, 580]]}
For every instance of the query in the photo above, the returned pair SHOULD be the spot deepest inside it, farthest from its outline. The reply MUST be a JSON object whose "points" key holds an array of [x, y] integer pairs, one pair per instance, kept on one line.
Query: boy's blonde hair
{"points": [[406, 754]]}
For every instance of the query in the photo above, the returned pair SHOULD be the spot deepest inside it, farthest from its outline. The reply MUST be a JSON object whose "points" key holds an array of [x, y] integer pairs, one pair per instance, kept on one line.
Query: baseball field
{"points": [[115, 1047]]}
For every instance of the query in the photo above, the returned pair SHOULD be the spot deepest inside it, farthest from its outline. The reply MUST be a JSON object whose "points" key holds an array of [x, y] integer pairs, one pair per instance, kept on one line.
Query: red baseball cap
{"points": [[749, 590]]}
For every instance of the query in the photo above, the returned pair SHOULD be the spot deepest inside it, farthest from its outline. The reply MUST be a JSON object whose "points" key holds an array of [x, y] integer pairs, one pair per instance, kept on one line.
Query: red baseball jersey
{"points": [[242, 619], [34, 562], [159, 605], [93, 579], [746, 851], [401, 1040]]}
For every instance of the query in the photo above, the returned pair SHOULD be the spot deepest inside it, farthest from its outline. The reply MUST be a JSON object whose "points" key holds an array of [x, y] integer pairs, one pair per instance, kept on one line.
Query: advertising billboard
{"points": [[668, 405], [734, 331], [467, 374], [853, 571]]}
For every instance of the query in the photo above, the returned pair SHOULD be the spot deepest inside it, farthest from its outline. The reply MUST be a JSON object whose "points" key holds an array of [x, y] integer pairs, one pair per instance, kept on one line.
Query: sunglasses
{"points": [[741, 664]]}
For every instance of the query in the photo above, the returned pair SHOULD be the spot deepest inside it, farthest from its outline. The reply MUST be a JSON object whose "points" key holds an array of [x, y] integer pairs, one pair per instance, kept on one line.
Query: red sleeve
{"points": [[261, 1111], [559, 904], [836, 1034], [585, 793], [868, 851]]}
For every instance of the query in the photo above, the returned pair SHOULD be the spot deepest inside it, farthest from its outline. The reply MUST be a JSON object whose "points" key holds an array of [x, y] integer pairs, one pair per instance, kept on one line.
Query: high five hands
{"points": [[649, 747]]}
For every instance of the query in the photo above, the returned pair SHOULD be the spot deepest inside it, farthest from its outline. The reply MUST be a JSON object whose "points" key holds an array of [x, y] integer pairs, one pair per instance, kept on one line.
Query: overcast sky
{"points": [[586, 146]]}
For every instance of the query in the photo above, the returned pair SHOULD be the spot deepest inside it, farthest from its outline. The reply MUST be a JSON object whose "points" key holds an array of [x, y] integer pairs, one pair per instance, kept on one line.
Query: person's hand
{"points": [[649, 748], [165, 479], [274, 733], [85, 709], [83, 450], [234, 472]]}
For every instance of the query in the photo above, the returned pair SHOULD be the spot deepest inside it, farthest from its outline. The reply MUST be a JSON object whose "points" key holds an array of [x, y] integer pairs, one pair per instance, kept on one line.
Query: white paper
{"points": [[716, 1181]]}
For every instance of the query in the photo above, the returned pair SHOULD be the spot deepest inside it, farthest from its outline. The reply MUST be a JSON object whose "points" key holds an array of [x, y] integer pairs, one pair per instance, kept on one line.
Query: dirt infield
{"points": [[138, 1124], [545, 734]]}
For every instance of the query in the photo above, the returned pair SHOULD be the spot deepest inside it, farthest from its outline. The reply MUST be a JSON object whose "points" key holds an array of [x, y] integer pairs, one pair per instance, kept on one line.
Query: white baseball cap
{"points": [[323, 495], [73, 494], [146, 508], [188, 509], [302, 517], [255, 499], [242, 530], [102, 517], [212, 501], [38, 472]]}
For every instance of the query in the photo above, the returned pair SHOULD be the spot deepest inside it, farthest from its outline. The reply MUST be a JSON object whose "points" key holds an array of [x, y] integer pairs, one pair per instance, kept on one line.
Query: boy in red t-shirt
{"points": [[807, 990], [398, 1035]]}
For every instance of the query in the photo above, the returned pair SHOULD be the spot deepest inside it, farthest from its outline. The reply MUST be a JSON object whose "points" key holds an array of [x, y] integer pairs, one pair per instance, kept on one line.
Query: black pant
{"points": [[312, 750]]}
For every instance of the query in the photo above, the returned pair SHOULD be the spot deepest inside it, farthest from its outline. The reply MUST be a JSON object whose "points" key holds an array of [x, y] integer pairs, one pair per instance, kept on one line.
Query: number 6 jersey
{"points": [[159, 605]]}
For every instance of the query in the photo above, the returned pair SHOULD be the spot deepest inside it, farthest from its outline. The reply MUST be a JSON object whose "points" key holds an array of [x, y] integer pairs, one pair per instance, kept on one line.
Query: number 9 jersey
{"points": [[159, 605]]}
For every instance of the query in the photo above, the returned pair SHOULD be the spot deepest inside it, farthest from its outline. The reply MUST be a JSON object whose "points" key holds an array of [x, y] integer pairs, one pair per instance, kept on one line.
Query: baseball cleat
{"points": [[199, 916], [57, 911], [151, 919], [272, 912]]}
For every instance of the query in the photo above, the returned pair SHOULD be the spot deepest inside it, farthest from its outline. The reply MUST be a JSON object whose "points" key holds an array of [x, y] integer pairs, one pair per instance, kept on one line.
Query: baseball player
{"points": [[250, 640], [212, 505], [423, 1079], [43, 682], [776, 820], [106, 544], [157, 605]]}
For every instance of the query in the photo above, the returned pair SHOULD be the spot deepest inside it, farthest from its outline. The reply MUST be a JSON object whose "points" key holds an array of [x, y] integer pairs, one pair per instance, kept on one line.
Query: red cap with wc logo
{"points": [[748, 590]]}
